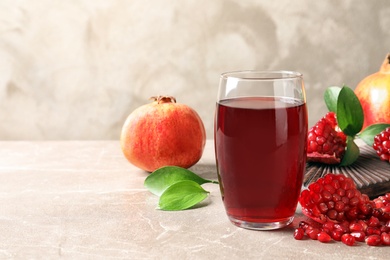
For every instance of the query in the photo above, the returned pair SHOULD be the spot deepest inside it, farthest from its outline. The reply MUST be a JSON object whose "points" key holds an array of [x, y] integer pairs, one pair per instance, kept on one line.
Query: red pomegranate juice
{"points": [[261, 155]]}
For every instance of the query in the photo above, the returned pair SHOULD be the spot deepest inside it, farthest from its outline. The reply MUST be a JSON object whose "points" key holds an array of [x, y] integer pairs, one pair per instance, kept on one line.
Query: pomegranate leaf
{"points": [[182, 195], [159, 180], [351, 153], [330, 96], [349, 112], [368, 134]]}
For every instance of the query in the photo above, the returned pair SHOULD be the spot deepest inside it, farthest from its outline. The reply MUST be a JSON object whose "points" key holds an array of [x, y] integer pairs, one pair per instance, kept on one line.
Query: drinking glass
{"points": [[260, 135]]}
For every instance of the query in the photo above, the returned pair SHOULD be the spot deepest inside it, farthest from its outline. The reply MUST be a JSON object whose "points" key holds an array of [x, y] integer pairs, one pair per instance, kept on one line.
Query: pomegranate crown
{"points": [[163, 99], [385, 68]]}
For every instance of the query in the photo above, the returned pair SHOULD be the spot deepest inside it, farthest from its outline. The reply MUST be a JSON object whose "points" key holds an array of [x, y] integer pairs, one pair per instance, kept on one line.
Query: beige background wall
{"points": [[75, 69]]}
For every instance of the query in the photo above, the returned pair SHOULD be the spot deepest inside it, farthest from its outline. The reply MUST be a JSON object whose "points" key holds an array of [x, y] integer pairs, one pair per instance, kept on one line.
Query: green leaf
{"points": [[349, 112], [351, 153], [330, 97], [159, 180], [182, 195], [368, 134]]}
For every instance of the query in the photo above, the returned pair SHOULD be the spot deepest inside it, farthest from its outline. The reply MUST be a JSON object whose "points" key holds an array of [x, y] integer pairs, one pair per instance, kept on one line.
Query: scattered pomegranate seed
{"points": [[348, 239], [312, 233], [299, 233], [323, 237], [385, 239], [336, 234], [359, 236], [373, 240]]}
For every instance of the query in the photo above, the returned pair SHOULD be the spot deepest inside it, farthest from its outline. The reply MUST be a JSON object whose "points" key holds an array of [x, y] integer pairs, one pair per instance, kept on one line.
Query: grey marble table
{"points": [[83, 200]]}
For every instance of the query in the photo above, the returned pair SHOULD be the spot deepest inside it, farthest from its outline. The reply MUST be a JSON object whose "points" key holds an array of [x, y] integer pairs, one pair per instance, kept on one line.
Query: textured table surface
{"points": [[83, 200]]}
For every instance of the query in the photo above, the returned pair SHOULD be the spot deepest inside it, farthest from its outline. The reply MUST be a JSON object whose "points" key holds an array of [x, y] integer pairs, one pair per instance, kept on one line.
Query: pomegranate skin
{"points": [[163, 133], [373, 93]]}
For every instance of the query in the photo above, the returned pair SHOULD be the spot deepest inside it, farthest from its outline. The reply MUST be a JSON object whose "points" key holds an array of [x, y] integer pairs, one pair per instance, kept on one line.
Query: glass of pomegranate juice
{"points": [[260, 135]]}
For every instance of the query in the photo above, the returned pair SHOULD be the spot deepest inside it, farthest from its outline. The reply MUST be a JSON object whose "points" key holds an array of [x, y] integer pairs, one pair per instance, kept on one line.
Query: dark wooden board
{"points": [[371, 175]]}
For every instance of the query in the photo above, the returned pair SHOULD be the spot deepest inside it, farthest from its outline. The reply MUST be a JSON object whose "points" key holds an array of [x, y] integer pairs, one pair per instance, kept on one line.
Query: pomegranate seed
{"points": [[355, 227], [365, 198], [354, 201], [350, 193], [304, 225], [336, 198], [326, 195], [323, 237], [315, 187], [332, 214], [347, 185], [373, 240], [328, 178], [329, 188], [330, 204], [322, 207], [363, 224], [348, 239], [379, 203], [312, 233], [336, 234], [365, 208], [328, 226], [299, 233], [340, 216], [385, 208], [373, 231], [352, 213], [385, 239], [384, 228], [373, 222], [359, 236], [315, 197], [340, 192], [344, 227], [377, 213], [345, 200], [336, 184]]}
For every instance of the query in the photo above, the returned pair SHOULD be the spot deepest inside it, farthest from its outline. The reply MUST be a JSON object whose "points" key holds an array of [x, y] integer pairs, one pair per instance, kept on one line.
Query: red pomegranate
{"points": [[163, 133], [374, 95]]}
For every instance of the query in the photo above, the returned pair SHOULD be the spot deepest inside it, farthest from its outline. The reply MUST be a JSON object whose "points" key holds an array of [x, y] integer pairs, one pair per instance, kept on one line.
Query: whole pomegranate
{"points": [[374, 95], [163, 133]]}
